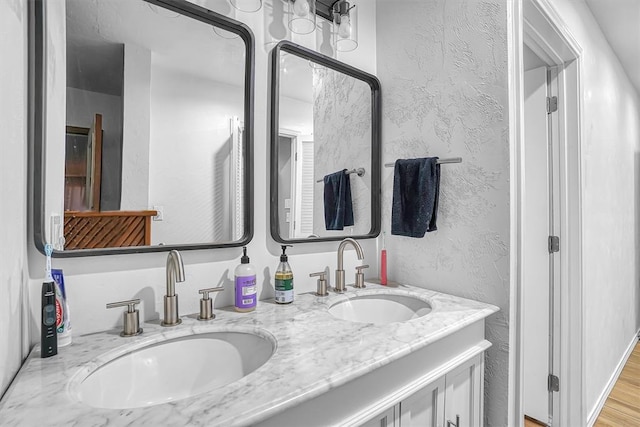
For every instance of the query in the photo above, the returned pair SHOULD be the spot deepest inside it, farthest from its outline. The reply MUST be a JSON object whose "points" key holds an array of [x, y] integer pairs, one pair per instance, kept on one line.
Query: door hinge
{"points": [[553, 383], [552, 104], [554, 244]]}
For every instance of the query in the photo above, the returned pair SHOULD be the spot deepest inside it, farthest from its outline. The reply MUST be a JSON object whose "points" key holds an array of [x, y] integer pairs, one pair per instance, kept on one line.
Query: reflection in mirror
{"points": [[325, 120], [158, 128], [83, 157]]}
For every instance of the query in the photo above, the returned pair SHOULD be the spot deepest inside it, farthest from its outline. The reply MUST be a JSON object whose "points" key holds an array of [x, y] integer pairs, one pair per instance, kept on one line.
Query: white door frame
{"points": [[538, 24]]}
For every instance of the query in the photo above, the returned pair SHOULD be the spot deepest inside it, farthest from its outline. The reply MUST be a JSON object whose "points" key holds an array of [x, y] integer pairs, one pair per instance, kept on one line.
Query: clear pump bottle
{"points": [[284, 279]]}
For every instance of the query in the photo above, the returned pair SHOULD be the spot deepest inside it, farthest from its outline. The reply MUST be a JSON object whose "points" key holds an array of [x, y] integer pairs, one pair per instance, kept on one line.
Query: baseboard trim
{"points": [[595, 412]]}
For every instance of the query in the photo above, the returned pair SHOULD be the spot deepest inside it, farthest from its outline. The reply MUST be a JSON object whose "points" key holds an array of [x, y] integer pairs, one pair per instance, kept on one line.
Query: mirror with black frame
{"points": [[325, 148], [143, 118]]}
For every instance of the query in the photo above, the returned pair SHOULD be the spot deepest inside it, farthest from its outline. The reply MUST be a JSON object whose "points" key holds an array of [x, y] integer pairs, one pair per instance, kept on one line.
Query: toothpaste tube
{"points": [[63, 322]]}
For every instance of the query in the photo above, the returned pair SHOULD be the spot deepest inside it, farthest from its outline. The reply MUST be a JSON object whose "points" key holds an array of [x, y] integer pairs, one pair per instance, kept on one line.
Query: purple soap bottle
{"points": [[246, 292]]}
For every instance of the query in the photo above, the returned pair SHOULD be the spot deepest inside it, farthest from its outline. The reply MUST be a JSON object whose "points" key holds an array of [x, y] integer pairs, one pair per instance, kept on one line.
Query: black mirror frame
{"points": [[37, 138], [376, 119]]}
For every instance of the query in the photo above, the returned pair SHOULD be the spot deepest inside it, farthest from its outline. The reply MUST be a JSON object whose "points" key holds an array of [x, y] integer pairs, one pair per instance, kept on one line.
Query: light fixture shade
{"points": [[302, 16], [247, 5], [345, 25]]}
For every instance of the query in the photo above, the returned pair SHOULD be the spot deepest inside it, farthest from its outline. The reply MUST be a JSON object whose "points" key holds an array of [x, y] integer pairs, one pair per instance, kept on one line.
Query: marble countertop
{"points": [[315, 353]]}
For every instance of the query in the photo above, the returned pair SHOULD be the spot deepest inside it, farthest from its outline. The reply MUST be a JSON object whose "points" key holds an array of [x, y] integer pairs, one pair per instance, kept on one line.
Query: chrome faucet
{"points": [[175, 273], [340, 285]]}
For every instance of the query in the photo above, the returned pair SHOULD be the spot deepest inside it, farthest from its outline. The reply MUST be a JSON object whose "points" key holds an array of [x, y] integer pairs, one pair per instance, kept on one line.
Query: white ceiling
{"points": [[97, 32], [620, 23], [97, 29]]}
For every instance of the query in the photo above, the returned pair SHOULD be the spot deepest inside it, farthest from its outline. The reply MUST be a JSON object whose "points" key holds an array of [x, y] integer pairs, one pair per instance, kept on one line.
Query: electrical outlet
{"points": [[160, 213]]}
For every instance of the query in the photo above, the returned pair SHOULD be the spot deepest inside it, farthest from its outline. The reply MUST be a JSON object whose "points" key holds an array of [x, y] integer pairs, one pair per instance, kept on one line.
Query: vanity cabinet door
{"points": [[463, 394], [384, 419], [425, 407]]}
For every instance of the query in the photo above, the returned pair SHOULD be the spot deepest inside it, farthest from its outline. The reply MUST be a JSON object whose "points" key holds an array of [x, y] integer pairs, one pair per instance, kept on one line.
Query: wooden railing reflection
{"points": [[107, 229]]}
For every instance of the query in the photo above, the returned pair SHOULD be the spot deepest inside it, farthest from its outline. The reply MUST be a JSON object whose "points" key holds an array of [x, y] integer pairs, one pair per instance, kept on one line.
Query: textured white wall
{"points": [[443, 69], [13, 189], [611, 204], [342, 135]]}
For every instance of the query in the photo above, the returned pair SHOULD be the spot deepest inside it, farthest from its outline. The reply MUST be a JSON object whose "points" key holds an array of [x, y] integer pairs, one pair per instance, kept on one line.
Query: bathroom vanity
{"points": [[374, 356]]}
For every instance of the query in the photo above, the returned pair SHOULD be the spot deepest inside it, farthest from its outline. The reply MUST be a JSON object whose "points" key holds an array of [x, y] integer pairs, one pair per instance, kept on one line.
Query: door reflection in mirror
{"points": [[296, 184]]}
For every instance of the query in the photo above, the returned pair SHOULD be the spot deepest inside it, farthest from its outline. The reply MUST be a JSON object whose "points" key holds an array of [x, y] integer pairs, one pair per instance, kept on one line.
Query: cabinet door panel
{"points": [[424, 408], [463, 394], [384, 419]]}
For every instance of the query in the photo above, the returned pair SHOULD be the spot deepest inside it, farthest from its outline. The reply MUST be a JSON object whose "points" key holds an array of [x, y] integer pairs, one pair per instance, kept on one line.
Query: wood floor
{"points": [[622, 407]]}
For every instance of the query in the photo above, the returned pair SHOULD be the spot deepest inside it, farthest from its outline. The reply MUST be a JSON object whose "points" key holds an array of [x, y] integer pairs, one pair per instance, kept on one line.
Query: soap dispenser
{"points": [[284, 279], [246, 295]]}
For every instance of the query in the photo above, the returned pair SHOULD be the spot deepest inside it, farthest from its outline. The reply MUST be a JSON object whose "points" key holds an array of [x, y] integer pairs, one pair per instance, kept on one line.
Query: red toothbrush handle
{"points": [[383, 267]]}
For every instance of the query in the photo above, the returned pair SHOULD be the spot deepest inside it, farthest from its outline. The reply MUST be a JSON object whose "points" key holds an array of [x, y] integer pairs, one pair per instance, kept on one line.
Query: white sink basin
{"points": [[175, 369], [380, 308]]}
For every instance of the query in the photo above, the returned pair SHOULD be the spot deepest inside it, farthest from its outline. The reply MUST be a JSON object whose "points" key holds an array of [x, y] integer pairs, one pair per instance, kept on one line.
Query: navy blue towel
{"points": [[416, 190], [338, 207]]}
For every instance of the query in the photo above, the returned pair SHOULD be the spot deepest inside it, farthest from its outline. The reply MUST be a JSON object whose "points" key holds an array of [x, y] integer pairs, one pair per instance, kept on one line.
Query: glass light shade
{"points": [[345, 26], [302, 16], [247, 5]]}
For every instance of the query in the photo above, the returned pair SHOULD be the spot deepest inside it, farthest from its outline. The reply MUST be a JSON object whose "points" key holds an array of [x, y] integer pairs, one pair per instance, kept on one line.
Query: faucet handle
{"points": [[206, 303], [360, 276], [131, 317], [205, 292], [321, 290]]}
